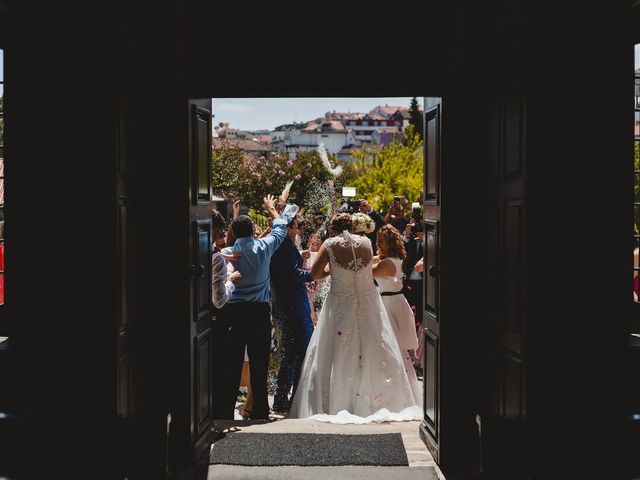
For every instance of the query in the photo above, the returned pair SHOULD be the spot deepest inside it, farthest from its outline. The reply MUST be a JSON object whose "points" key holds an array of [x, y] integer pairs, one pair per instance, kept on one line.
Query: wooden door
{"points": [[430, 428], [200, 119], [504, 415], [123, 325]]}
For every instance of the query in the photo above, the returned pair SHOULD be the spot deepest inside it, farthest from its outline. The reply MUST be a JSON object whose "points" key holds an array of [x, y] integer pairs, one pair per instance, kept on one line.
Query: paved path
{"points": [[421, 464]]}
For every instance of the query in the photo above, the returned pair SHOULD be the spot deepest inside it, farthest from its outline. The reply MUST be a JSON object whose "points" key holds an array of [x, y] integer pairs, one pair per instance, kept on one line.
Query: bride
{"points": [[353, 371]]}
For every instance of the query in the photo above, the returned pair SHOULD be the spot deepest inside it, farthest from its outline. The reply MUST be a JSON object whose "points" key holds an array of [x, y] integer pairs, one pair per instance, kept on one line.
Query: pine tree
{"points": [[416, 117]]}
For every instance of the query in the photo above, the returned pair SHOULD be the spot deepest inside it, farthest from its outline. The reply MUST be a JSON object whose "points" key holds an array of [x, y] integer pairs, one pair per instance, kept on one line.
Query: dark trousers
{"points": [[295, 333], [250, 327], [221, 378]]}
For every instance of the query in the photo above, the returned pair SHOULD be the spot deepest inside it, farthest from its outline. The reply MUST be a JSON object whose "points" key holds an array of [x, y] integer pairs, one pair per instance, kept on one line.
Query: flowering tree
{"points": [[395, 169], [239, 176]]}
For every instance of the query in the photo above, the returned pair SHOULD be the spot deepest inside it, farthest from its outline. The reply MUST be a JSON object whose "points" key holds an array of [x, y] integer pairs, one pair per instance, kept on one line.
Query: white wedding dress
{"points": [[353, 371]]}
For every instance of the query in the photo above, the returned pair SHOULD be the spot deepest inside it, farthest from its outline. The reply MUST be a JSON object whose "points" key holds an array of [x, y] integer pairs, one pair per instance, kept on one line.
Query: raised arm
{"points": [[278, 232], [318, 267]]}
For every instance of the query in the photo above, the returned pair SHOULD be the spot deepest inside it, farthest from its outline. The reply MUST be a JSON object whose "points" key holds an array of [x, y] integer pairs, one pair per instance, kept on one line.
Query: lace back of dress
{"points": [[351, 252]]}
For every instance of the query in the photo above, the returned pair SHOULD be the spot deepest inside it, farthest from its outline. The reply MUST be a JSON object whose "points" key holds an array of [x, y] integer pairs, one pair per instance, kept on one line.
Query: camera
{"points": [[349, 206]]}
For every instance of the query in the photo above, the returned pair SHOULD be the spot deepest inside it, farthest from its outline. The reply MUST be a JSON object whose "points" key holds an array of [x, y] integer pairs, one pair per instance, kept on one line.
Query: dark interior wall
{"points": [[68, 87], [60, 201], [578, 232], [60, 139], [319, 52]]}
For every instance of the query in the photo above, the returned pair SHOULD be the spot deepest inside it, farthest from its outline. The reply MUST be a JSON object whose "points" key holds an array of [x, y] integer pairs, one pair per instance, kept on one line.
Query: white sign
{"points": [[348, 191]]}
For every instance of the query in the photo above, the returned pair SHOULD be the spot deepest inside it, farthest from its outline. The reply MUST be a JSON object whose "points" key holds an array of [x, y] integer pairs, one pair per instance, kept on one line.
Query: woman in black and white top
{"points": [[223, 285]]}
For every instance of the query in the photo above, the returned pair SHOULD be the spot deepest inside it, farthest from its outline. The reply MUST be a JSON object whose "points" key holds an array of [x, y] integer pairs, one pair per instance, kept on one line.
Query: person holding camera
{"points": [[395, 214], [364, 207], [414, 244]]}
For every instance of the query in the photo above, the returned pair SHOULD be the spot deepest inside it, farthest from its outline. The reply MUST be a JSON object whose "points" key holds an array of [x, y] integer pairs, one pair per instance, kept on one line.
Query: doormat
{"points": [[309, 449]]}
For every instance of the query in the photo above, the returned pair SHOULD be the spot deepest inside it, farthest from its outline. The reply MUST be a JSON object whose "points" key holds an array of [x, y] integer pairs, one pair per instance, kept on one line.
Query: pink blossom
{"points": [[330, 183], [281, 173], [298, 177], [289, 163]]}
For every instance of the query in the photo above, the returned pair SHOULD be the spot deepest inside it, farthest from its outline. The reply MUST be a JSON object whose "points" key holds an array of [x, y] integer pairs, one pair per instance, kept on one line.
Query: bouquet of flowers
{"points": [[362, 223]]}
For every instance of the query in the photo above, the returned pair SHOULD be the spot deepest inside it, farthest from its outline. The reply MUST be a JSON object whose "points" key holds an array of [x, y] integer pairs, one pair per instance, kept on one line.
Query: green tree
{"points": [[237, 175], [395, 169], [416, 117]]}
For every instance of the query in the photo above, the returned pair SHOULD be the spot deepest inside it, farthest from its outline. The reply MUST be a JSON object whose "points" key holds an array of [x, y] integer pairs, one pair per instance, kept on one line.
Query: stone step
{"points": [[235, 472]]}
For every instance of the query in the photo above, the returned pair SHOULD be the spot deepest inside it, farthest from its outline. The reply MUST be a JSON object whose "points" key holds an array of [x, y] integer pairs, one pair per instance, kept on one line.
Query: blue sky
{"points": [[268, 113]]}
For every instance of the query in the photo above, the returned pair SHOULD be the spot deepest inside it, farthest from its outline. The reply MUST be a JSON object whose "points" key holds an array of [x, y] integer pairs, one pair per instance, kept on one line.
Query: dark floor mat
{"points": [[309, 449]]}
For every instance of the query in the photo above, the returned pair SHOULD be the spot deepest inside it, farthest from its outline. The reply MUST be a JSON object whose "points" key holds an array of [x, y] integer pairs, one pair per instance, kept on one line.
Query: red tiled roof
{"points": [[387, 128], [388, 109], [333, 125], [242, 144]]}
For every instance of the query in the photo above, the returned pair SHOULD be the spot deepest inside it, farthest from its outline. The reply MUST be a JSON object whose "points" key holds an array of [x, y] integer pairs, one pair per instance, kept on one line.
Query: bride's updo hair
{"points": [[341, 222]]}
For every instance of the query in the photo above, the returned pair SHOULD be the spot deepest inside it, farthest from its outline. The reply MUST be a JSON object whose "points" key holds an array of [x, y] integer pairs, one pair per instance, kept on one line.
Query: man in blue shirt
{"points": [[292, 314], [248, 309]]}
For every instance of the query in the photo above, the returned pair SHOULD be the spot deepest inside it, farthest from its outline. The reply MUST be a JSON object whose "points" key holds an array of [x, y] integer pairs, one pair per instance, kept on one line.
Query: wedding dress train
{"points": [[354, 370]]}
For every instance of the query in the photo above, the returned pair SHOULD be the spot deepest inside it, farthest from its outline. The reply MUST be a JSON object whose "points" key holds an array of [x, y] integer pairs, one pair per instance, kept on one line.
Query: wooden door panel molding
{"points": [[431, 277], [201, 270], [432, 156], [125, 380], [512, 268], [123, 263], [202, 385], [431, 212], [123, 373], [201, 152], [432, 383], [512, 398]]}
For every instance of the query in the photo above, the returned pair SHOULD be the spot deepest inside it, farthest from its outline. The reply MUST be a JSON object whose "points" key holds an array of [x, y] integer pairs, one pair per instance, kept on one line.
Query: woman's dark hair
{"points": [[242, 226], [341, 222], [294, 220], [217, 220]]}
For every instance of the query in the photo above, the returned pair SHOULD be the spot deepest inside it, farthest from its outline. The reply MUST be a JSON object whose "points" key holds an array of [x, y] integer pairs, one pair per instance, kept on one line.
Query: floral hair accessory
{"points": [[362, 223]]}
